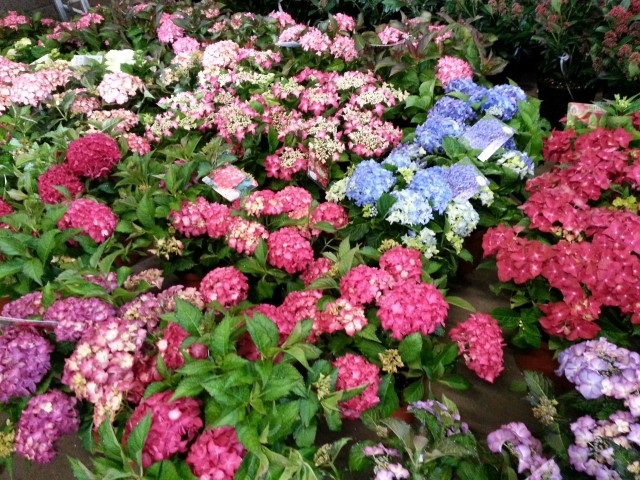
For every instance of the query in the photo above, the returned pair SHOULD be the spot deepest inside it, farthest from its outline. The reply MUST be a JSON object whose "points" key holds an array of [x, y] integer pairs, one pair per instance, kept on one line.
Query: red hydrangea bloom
{"points": [[561, 320], [93, 156], [480, 342], [173, 425], [354, 371], [363, 284], [226, 285], [95, 219], [557, 147], [411, 308], [403, 264], [497, 237], [45, 419], [216, 454], [521, 260], [76, 315], [317, 269], [58, 176], [289, 250], [329, 212]]}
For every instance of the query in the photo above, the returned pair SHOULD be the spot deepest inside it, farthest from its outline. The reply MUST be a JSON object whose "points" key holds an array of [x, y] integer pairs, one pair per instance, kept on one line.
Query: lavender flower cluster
{"points": [[383, 458], [448, 420], [518, 440], [599, 367]]}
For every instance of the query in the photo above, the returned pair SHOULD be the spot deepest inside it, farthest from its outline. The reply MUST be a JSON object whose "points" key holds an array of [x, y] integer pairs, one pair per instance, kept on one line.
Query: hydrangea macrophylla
{"points": [[502, 101], [173, 425], [76, 315], [144, 309], [5, 208], [434, 187], [126, 118], [137, 144], [223, 54], [354, 371], [480, 342], [453, 108], [451, 68], [518, 162], [169, 347], [100, 368], [316, 269], [403, 264], [368, 182], [45, 419], [409, 308], [244, 236], [168, 31], [107, 281], [58, 176], [24, 361], [462, 217], [340, 315], [29, 305], [298, 306], [95, 219], [151, 276], [430, 134], [286, 162], [363, 284], [468, 87], [409, 209], [167, 298], [226, 285], [289, 250], [216, 454], [33, 88], [119, 87], [329, 212], [185, 45], [93, 156], [193, 219]]}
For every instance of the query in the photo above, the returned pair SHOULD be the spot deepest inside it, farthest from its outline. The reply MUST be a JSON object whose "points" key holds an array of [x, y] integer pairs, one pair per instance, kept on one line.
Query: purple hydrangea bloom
{"points": [[46, 418], [502, 101], [523, 444], [368, 182], [76, 315], [145, 308], [109, 281], [29, 305], [432, 184], [403, 155], [453, 108], [24, 361], [430, 134], [475, 92], [484, 132], [463, 181]]}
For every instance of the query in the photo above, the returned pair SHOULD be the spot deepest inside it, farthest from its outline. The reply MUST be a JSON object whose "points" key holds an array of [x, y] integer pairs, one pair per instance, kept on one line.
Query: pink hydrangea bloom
{"points": [[403, 264], [244, 236], [58, 176], [167, 298], [452, 68], [216, 454], [76, 315], [13, 20], [329, 212], [291, 34], [316, 269], [340, 315], [46, 418], [283, 18], [29, 305], [218, 219], [223, 54], [185, 45], [119, 87], [294, 201], [345, 23], [33, 88], [109, 281], [363, 284], [137, 144], [344, 48], [152, 276], [93, 156], [226, 285], [354, 371], [170, 343], [285, 162], [95, 219], [169, 32], [144, 309], [191, 219], [409, 308], [315, 41], [480, 342], [298, 306], [289, 250], [126, 118], [391, 35], [173, 425], [88, 19]]}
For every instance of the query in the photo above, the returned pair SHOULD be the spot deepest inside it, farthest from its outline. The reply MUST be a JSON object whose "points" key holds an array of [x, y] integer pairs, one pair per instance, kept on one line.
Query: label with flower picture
{"points": [[586, 113], [318, 171], [488, 135], [230, 182]]}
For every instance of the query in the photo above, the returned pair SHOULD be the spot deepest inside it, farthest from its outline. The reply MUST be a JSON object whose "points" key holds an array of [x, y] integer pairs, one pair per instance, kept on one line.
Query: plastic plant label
{"points": [[21, 322], [488, 135], [230, 182], [586, 113], [318, 171]]}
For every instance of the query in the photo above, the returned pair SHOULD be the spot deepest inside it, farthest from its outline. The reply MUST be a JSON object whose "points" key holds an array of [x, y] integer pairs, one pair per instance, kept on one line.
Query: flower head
{"points": [[93, 156], [354, 371], [95, 219]]}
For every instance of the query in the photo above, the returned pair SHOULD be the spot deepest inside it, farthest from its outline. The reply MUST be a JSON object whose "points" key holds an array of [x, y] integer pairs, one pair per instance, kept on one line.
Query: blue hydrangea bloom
{"points": [[484, 132], [403, 155], [462, 218], [429, 135], [410, 209], [450, 107], [517, 161], [502, 101], [368, 182], [432, 184], [474, 91], [463, 181]]}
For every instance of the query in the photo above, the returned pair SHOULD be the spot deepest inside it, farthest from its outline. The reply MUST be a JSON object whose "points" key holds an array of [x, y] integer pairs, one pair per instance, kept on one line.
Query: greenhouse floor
{"points": [[484, 407]]}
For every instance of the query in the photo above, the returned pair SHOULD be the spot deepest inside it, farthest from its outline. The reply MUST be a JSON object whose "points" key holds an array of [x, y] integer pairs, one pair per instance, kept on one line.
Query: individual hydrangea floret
{"points": [[225, 285], [354, 371], [368, 182], [216, 454], [95, 219], [58, 176], [93, 156]]}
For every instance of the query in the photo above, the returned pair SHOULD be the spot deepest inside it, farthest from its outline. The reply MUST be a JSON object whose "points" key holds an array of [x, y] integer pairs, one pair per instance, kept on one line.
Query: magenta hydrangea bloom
{"points": [[226, 285], [145, 308], [317, 269], [95, 219], [216, 454], [24, 361], [403, 264], [46, 418], [173, 425], [58, 176], [76, 315], [354, 371], [93, 156], [289, 250], [363, 284], [29, 305], [329, 212]]}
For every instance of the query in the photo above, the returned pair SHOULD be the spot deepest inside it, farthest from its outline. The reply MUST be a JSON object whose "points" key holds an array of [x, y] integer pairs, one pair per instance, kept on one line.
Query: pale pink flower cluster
{"points": [[95, 219], [137, 144], [354, 371], [440, 37], [216, 454], [244, 236], [345, 23], [151, 276], [283, 18], [169, 32], [174, 424], [88, 19], [83, 103], [328, 212], [100, 368], [263, 58], [185, 45], [13, 20], [167, 298], [10, 70], [480, 342], [344, 48], [289, 250], [126, 118], [364, 284], [291, 34], [452, 68], [315, 41], [298, 306], [235, 121], [225, 285], [391, 35], [223, 54], [33, 88], [294, 201], [119, 87]]}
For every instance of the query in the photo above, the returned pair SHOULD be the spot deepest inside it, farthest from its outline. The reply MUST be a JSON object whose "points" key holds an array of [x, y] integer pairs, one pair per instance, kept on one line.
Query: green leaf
{"points": [[461, 303], [284, 379], [250, 266], [248, 436], [414, 392], [261, 253], [188, 316], [109, 444], [145, 212], [10, 268], [220, 342], [389, 401], [263, 331], [455, 381], [273, 139], [324, 284], [384, 204], [189, 387], [46, 244], [325, 227], [33, 269], [299, 333], [265, 289], [136, 439], [80, 471], [411, 349], [12, 247]]}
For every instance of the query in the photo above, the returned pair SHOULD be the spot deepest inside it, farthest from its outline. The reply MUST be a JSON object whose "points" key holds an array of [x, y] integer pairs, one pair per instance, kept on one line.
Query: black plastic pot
{"points": [[557, 95]]}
